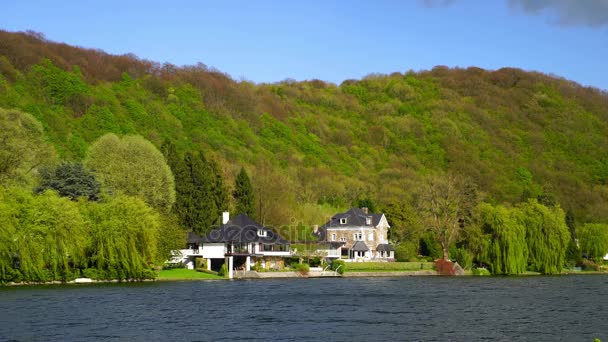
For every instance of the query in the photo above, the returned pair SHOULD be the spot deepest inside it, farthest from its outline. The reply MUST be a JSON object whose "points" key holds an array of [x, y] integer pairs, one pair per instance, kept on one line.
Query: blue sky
{"points": [[269, 41]]}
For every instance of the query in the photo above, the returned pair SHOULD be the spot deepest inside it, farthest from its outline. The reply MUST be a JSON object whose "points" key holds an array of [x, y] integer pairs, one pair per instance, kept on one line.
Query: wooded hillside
{"points": [[314, 148]]}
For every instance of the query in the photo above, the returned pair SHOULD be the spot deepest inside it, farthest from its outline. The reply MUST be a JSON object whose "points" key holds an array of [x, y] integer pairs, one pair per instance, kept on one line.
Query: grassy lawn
{"points": [[184, 274], [387, 266]]}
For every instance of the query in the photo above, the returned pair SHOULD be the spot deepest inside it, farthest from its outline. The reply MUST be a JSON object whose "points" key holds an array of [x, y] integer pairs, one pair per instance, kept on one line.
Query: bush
{"points": [[223, 271], [445, 267], [90, 273], [463, 257], [480, 271], [314, 262], [338, 266], [257, 267], [589, 265], [172, 266], [303, 268], [407, 250], [200, 263]]}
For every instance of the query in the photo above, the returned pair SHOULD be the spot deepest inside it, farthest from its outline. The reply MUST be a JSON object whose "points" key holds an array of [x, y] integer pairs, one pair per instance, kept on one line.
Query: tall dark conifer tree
{"points": [[243, 194]]}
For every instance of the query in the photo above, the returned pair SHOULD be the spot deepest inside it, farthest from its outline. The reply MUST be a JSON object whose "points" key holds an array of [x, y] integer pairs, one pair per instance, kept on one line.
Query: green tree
{"points": [[593, 239], [123, 232], [23, 146], [365, 202], [132, 166], [243, 194], [196, 206], [546, 234], [442, 203], [43, 237], [71, 180], [218, 188], [506, 250]]}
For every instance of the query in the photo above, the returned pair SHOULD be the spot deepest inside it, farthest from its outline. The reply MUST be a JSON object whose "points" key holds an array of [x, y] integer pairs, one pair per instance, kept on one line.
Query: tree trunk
{"points": [[444, 248]]}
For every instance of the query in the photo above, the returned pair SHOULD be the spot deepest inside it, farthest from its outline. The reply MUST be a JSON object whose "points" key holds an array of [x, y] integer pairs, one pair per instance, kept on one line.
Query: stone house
{"points": [[357, 235]]}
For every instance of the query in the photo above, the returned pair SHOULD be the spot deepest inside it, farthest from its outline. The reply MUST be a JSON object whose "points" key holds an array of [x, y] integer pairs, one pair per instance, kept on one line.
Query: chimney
{"points": [[364, 209], [225, 217], [315, 228]]}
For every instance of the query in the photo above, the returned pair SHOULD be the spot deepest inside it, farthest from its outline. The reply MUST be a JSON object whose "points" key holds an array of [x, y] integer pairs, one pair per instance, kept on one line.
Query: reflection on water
{"points": [[567, 308]]}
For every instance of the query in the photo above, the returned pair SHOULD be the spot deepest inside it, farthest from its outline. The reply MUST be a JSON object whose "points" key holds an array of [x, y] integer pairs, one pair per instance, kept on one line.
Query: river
{"points": [[561, 308]]}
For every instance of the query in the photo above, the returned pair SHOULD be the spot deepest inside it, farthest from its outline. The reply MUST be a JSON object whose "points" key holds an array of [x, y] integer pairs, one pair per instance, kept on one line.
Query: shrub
{"points": [[200, 263], [405, 251], [223, 272], [171, 266], [148, 274], [445, 267], [257, 267], [90, 273], [463, 257], [480, 271], [589, 265], [303, 268], [314, 262], [338, 266]]}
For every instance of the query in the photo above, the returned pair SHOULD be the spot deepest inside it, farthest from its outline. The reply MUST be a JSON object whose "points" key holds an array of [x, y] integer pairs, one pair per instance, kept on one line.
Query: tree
{"points": [[201, 195], [132, 166], [243, 194], [123, 232], [365, 202], [219, 192], [442, 203], [593, 238], [71, 180], [546, 234], [272, 187], [42, 238], [23, 146], [506, 250]]}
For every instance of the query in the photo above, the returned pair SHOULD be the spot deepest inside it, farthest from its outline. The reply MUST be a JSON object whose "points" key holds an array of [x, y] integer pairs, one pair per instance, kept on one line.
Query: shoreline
{"points": [[285, 275]]}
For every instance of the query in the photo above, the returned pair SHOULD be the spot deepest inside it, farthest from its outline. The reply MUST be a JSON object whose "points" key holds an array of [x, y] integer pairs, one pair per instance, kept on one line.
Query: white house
{"points": [[239, 243]]}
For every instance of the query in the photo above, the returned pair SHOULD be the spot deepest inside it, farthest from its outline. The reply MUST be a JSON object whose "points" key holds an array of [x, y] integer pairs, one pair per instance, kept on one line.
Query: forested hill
{"points": [[314, 147]]}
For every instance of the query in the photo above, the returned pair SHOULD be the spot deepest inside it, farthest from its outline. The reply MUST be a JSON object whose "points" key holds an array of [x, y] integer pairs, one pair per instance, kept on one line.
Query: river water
{"points": [[563, 308]]}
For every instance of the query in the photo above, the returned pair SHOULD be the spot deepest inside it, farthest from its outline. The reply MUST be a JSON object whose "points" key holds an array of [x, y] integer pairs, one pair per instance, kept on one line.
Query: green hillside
{"points": [[314, 147]]}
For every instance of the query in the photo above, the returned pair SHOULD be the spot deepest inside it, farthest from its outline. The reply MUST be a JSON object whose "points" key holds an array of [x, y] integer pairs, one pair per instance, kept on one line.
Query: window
{"points": [[343, 239], [368, 220], [261, 232], [333, 237], [370, 237], [343, 220], [358, 236]]}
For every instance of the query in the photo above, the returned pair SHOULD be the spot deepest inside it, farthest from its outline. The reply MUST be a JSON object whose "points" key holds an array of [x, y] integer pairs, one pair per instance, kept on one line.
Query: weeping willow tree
{"points": [[43, 237], [124, 233], [506, 250], [593, 238], [8, 226], [547, 235]]}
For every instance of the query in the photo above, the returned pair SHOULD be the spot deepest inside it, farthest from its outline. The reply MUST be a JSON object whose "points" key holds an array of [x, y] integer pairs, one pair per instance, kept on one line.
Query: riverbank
{"points": [[191, 275]]}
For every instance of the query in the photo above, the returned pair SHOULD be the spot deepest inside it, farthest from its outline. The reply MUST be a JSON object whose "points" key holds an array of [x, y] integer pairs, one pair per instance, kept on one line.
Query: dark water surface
{"points": [[566, 308]]}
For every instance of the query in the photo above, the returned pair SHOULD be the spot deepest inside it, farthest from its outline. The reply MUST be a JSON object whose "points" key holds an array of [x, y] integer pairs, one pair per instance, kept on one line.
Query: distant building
{"points": [[239, 243], [357, 235]]}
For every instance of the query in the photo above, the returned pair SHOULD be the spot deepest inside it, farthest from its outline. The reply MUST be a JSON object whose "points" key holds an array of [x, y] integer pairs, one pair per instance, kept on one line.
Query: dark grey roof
{"points": [[243, 228], [355, 217], [193, 238], [360, 246], [385, 247]]}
